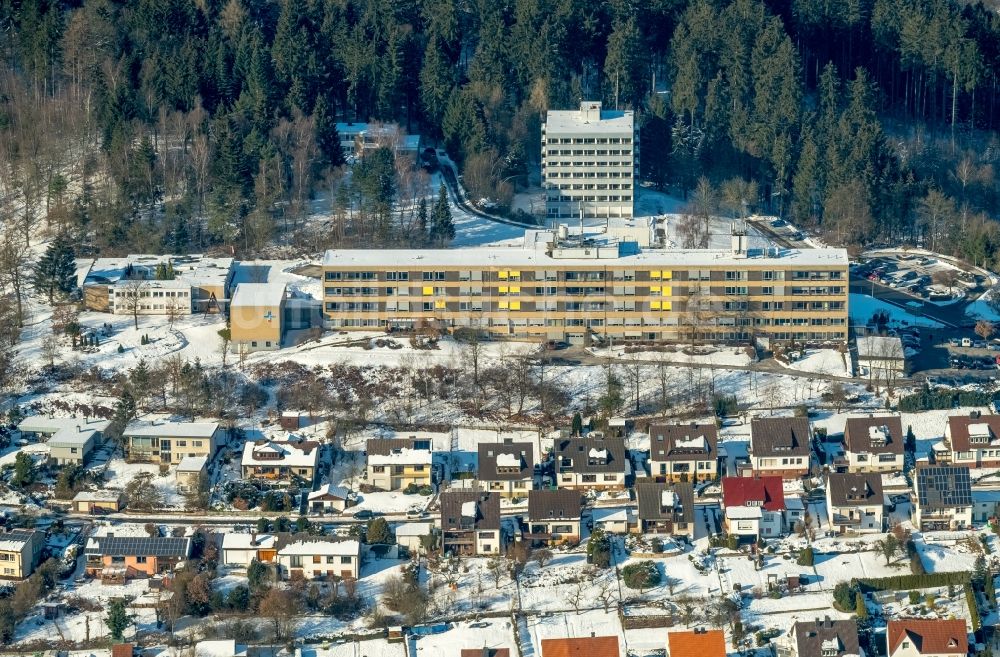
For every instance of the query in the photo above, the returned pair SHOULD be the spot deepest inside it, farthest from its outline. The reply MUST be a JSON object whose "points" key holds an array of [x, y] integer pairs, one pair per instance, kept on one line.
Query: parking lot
{"points": [[921, 277]]}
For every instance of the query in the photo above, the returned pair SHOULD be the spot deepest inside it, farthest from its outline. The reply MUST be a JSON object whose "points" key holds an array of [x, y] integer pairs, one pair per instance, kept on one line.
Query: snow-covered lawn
{"points": [[821, 361], [702, 354]]}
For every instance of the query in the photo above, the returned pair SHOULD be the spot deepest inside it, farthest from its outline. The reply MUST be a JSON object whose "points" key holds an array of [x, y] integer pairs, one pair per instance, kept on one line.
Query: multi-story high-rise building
{"points": [[617, 284], [589, 162]]}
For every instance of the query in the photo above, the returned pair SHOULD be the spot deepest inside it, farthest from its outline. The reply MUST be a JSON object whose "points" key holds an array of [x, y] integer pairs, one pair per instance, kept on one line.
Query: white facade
{"points": [[313, 559], [589, 161], [754, 521]]}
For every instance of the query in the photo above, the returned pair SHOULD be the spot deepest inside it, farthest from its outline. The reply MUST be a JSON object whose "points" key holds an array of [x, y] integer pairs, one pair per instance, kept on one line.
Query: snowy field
{"points": [[822, 361]]}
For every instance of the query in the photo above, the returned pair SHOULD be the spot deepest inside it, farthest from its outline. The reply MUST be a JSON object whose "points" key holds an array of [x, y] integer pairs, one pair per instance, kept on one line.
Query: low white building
{"points": [[330, 498], [241, 549], [316, 558], [882, 357], [43, 427], [72, 445], [410, 535], [620, 520]]}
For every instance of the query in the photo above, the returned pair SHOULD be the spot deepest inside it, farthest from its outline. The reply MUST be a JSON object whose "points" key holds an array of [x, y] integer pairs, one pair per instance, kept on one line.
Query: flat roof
{"points": [[193, 270], [192, 464], [46, 424], [255, 295], [519, 256], [71, 437], [172, 429], [574, 121]]}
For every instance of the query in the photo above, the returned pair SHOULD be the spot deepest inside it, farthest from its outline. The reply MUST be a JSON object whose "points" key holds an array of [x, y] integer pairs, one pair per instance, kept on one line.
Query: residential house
{"points": [[591, 463], [189, 473], [122, 650], [242, 549], [507, 468], [397, 463], [99, 502], [666, 508], [73, 446], [698, 642], [330, 499], [278, 462], [170, 442], [135, 556], [855, 502], [470, 523], [882, 358], [874, 444], [410, 535], [974, 440], [820, 638], [754, 506], [592, 646], [220, 648], [43, 427], [20, 552], [780, 446], [942, 497], [554, 515], [616, 520], [485, 652], [314, 557], [683, 452], [919, 637]]}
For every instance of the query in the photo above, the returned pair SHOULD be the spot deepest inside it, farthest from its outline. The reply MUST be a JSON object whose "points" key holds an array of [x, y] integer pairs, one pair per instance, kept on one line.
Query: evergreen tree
{"points": [[442, 229], [437, 82], [327, 137], [117, 620], [24, 471], [422, 221], [56, 270]]}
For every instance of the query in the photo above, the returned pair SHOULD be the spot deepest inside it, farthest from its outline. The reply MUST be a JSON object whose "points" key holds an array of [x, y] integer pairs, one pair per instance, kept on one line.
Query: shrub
{"points": [[844, 597], [914, 597], [599, 549], [641, 575], [806, 557]]}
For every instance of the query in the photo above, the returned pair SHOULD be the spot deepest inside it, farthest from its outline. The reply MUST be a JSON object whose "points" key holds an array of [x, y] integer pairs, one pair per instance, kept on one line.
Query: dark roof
{"points": [[865, 434], [554, 504], [488, 453], [682, 442], [862, 489], [577, 452], [943, 486], [139, 546], [650, 499], [779, 436], [962, 439], [812, 635], [929, 637], [487, 510], [768, 492], [385, 446]]}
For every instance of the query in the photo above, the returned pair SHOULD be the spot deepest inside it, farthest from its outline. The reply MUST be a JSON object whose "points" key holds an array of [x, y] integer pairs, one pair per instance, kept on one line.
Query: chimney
{"points": [[592, 634], [739, 239]]}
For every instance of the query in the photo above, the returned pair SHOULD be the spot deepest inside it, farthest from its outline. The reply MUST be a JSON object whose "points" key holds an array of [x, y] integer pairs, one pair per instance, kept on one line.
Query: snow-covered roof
{"points": [[330, 489], [220, 648], [256, 295], [695, 443], [507, 460], [620, 514], [744, 512], [469, 509], [599, 121], [595, 453], [979, 430], [97, 496], [414, 529], [232, 541], [192, 464], [71, 437], [14, 541], [50, 425], [193, 270], [290, 453], [401, 456], [879, 346], [794, 504], [334, 548], [668, 499], [172, 429]]}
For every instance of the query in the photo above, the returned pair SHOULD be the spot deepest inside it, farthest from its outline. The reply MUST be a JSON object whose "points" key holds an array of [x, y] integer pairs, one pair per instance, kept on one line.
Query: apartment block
{"points": [[590, 158], [618, 283]]}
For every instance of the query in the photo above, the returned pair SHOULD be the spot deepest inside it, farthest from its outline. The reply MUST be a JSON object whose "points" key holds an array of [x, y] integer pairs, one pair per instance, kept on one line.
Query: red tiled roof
{"points": [[737, 491], [121, 650], [711, 643], [929, 637], [594, 646], [958, 431]]}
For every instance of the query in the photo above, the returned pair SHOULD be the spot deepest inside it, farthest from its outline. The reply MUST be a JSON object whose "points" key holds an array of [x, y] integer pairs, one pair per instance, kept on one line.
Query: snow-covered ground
{"points": [[822, 361], [862, 307], [703, 354]]}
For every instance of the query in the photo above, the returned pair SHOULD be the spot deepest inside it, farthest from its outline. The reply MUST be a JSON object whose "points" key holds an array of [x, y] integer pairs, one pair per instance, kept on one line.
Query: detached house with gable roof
{"points": [[683, 452], [820, 638], [698, 642], [754, 507], [554, 515], [974, 440], [470, 523], [396, 463], [507, 468], [780, 446], [277, 462], [591, 463], [918, 637], [123, 557], [592, 646], [874, 444], [942, 497], [666, 508], [855, 502]]}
